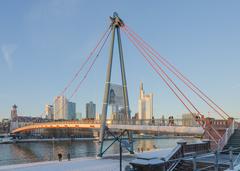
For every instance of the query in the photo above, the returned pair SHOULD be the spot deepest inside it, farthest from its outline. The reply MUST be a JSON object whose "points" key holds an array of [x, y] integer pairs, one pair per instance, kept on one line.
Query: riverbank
{"points": [[95, 139], [107, 163], [39, 151], [79, 164]]}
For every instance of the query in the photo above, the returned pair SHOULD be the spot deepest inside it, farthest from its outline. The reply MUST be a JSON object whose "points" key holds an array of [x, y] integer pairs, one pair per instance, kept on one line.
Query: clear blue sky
{"points": [[43, 43]]}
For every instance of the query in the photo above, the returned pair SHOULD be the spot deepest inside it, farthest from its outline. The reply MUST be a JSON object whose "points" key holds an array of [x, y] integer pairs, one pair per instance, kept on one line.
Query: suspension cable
{"points": [[89, 69], [93, 62], [85, 62], [176, 72], [164, 73], [141, 51], [162, 62]]}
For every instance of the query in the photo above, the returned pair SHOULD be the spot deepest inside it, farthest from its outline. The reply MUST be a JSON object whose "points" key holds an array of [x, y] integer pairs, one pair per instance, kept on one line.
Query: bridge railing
{"points": [[148, 122], [153, 122], [225, 138]]}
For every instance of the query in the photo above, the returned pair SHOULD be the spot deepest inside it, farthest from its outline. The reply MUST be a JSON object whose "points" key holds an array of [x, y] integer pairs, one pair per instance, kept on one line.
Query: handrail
{"points": [[176, 153], [226, 136], [237, 160]]}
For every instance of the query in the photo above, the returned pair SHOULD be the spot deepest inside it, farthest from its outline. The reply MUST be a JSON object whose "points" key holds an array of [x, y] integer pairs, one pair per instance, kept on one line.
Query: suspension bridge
{"points": [[218, 131]]}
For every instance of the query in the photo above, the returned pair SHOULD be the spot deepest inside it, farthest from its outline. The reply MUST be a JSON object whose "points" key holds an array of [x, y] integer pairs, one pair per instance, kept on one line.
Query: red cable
{"points": [[145, 46], [174, 84], [85, 62], [176, 72], [159, 74], [168, 77], [169, 84], [93, 62], [91, 65]]}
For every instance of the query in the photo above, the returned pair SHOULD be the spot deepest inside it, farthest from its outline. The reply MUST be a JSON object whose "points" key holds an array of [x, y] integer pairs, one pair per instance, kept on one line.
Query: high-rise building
{"points": [[60, 108], [91, 110], [14, 112], [71, 110], [49, 111], [189, 119], [145, 104], [63, 109]]}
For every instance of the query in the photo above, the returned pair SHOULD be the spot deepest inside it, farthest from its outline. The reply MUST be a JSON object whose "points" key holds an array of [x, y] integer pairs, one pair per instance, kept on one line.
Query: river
{"points": [[44, 151]]}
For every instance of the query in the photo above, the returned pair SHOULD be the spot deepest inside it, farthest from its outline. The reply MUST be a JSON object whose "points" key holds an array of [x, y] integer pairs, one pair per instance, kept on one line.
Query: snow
{"points": [[109, 163], [153, 157], [162, 153], [80, 164]]}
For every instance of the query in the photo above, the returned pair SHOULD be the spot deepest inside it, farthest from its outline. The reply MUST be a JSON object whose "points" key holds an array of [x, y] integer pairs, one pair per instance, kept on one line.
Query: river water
{"points": [[45, 151]]}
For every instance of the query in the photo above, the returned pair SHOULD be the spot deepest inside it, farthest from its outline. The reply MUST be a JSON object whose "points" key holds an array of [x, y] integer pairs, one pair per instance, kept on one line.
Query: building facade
{"points": [[189, 119], [64, 109], [14, 112], [49, 112], [145, 104], [71, 110], [90, 110], [60, 108]]}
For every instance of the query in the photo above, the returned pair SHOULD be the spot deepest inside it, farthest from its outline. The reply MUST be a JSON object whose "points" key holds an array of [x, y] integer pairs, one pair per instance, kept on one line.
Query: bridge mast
{"points": [[115, 27]]}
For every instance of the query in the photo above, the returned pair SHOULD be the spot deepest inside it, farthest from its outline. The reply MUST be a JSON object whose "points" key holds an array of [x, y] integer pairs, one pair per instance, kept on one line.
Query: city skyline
{"points": [[49, 38]]}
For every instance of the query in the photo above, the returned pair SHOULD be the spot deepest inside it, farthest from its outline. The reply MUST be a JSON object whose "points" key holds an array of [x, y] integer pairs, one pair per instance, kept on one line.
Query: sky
{"points": [[43, 43]]}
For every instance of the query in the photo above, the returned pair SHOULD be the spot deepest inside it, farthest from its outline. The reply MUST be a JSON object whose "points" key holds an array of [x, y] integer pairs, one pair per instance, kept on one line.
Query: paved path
{"points": [[81, 164]]}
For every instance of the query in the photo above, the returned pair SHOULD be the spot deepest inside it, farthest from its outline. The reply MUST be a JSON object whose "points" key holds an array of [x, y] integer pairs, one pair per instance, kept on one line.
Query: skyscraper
{"points": [[145, 104], [60, 108], [71, 110], [49, 111], [14, 112], [91, 110]]}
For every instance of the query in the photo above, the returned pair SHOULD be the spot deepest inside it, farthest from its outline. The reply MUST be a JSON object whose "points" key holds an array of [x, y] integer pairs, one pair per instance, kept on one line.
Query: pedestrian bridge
{"points": [[143, 126]]}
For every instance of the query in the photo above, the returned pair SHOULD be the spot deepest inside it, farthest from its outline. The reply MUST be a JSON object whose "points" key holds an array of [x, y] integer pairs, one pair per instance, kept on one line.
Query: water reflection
{"points": [[43, 151]]}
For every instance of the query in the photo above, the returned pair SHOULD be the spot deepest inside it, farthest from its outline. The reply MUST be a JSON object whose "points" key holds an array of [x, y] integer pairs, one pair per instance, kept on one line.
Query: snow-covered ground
{"points": [[108, 163], [80, 164]]}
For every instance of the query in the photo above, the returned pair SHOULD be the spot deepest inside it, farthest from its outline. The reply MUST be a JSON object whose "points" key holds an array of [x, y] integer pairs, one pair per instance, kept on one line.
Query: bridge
{"points": [[160, 126], [218, 131]]}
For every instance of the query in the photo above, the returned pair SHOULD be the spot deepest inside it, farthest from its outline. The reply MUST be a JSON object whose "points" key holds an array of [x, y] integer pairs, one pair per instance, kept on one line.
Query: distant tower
{"points": [[14, 112], [71, 110], [145, 104], [60, 108], [90, 110], [49, 111]]}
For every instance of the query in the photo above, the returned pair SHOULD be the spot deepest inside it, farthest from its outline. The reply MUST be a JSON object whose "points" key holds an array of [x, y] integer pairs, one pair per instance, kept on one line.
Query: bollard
{"points": [[216, 160], [164, 164], [194, 162], [69, 156], [231, 158]]}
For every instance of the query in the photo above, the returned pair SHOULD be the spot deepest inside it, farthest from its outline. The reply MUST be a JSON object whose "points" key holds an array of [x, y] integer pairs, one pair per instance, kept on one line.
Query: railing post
{"points": [[164, 164], [183, 145], [194, 162], [216, 160], [231, 158]]}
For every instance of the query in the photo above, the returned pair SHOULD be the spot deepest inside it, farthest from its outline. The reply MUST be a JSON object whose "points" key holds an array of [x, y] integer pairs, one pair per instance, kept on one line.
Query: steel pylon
{"points": [[116, 23]]}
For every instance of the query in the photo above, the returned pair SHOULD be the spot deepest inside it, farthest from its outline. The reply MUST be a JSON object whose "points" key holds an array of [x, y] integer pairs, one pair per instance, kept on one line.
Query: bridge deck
{"points": [[76, 125]]}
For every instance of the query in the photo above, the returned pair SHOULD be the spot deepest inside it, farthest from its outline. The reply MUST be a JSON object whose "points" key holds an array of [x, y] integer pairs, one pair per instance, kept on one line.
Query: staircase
{"points": [[187, 165], [234, 141], [184, 165]]}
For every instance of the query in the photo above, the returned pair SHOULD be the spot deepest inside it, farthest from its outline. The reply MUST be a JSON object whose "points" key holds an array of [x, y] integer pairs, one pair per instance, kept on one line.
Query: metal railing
{"points": [[198, 160], [148, 122], [230, 163], [225, 138], [236, 161]]}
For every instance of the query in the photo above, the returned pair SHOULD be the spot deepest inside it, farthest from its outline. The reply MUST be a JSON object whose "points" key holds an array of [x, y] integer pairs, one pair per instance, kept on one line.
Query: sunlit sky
{"points": [[44, 42]]}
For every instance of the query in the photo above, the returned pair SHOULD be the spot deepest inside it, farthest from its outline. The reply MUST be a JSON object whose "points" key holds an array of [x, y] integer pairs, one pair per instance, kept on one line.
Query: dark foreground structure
{"points": [[190, 157]]}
